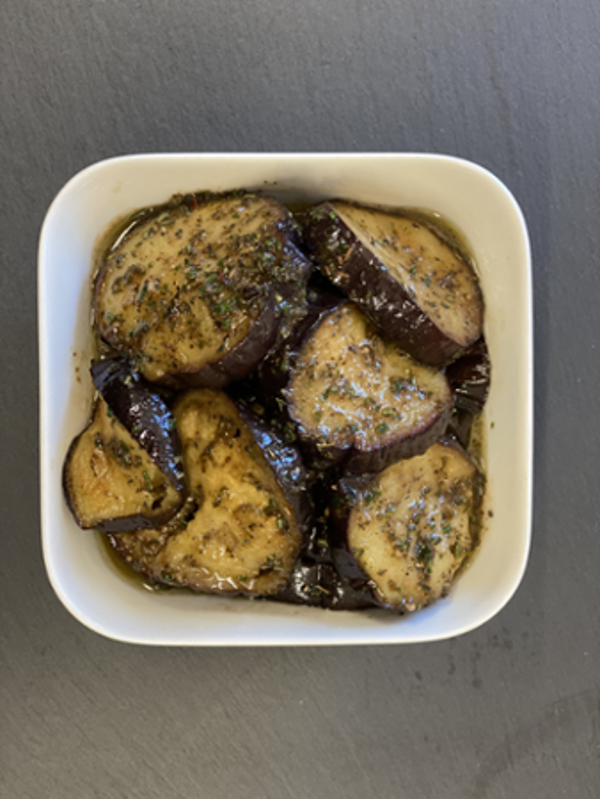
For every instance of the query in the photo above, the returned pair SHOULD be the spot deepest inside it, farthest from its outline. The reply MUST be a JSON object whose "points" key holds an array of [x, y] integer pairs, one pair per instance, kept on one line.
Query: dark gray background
{"points": [[510, 710]]}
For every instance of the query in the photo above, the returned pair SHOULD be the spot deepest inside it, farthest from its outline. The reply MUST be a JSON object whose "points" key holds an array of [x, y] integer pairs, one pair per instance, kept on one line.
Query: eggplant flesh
{"points": [[410, 529], [143, 413], [111, 482], [239, 533], [414, 286], [198, 294], [360, 401], [275, 371]]}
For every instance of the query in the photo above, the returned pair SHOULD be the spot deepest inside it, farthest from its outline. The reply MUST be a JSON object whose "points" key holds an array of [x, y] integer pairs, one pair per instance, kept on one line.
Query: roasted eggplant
{"points": [[331, 474], [143, 413], [420, 291], [112, 483], [359, 401], [197, 294], [407, 531], [248, 512]]}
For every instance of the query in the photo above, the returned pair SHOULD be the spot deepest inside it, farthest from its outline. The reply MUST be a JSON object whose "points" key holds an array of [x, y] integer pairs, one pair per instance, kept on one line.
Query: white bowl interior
{"points": [[467, 195]]}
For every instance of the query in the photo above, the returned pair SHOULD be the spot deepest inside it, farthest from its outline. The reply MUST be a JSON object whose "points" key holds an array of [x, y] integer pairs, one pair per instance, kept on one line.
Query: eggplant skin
{"points": [[406, 533], [357, 270], [111, 483], [460, 426], [143, 413], [470, 377], [287, 466]]}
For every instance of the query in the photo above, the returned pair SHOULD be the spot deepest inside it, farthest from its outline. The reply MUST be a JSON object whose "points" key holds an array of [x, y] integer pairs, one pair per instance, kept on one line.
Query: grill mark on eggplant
{"points": [[418, 290]]}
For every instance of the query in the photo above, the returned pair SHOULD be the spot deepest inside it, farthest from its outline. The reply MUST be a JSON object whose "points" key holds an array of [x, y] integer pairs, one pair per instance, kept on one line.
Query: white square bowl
{"points": [[469, 197]]}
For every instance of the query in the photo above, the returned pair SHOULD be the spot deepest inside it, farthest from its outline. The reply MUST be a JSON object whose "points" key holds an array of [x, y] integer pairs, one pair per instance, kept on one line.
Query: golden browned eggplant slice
{"points": [[416, 288], [198, 293], [112, 483], [360, 400], [411, 528]]}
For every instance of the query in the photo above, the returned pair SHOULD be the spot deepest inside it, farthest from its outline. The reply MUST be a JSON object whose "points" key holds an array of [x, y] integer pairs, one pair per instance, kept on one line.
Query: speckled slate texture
{"points": [[509, 711]]}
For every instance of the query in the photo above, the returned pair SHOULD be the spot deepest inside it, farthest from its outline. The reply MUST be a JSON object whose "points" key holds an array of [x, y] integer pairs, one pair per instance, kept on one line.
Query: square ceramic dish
{"points": [[469, 197]]}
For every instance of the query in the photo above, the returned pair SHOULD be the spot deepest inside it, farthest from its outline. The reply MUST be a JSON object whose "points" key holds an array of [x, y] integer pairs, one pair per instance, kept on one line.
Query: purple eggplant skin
{"points": [[341, 592], [358, 462], [460, 426], [303, 584], [369, 285], [287, 466], [320, 585], [470, 377], [144, 414], [344, 495], [315, 579]]}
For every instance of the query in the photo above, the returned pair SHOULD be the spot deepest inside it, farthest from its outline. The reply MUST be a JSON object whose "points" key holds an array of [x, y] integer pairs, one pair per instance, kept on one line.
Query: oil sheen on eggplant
{"points": [[470, 378], [111, 483], [143, 413], [211, 291], [198, 293], [239, 533], [361, 401], [406, 532], [420, 291]]}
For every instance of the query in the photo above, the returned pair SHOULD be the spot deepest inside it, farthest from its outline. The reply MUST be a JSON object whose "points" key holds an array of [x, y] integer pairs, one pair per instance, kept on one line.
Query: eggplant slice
{"points": [[360, 401], [143, 413], [414, 286], [241, 530], [198, 293], [411, 528], [112, 483]]}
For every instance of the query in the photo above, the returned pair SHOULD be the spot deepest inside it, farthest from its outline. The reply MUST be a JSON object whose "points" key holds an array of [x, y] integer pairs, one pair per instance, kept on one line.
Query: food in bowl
{"points": [[310, 383]]}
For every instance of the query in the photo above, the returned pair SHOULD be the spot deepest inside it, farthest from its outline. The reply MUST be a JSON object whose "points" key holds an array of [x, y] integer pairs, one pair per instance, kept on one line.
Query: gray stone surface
{"points": [[511, 710]]}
